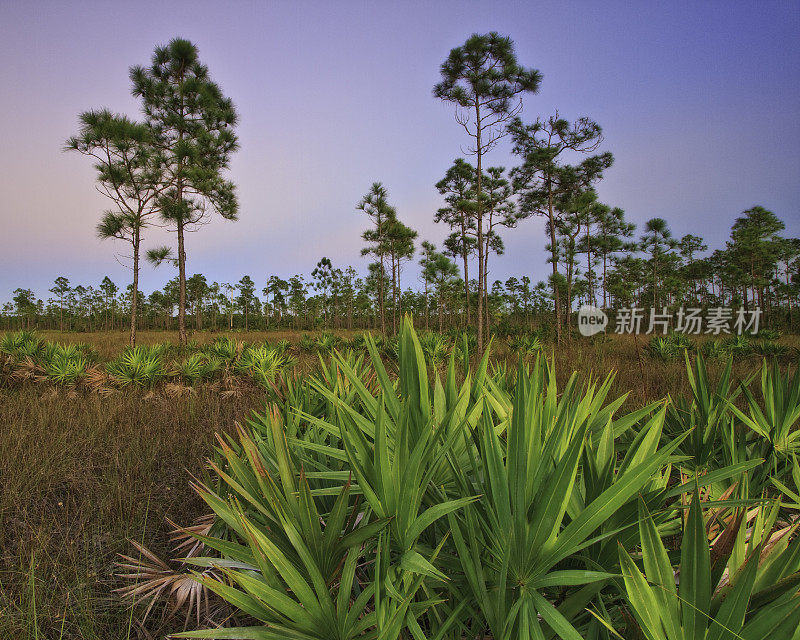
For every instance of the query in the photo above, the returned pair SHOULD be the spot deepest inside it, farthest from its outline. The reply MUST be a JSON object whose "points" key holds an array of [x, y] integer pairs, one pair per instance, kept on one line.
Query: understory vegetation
{"points": [[407, 488], [227, 362]]}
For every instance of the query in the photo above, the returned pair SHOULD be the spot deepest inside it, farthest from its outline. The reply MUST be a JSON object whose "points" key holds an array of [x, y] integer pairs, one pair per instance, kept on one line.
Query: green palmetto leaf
{"points": [[511, 541], [291, 592], [660, 573], [731, 615], [695, 573], [773, 428], [138, 366], [667, 613], [643, 600]]}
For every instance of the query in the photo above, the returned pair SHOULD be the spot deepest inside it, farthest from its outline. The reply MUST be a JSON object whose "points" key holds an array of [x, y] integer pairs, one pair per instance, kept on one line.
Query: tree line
{"points": [[170, 169], [330, 297], [601, 262]]}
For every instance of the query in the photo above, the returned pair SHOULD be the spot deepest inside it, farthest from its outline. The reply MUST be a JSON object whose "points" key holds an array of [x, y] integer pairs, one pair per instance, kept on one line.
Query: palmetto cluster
{"points": [[370, 504], [673, 346], [26, 357]]}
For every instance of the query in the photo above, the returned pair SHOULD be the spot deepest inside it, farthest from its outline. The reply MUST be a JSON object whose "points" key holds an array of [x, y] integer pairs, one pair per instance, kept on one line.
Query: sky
{"points": [[699, 103]]}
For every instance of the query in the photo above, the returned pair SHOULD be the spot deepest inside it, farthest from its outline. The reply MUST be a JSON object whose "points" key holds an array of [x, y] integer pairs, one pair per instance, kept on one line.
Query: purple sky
{"points": [[699, 102]]}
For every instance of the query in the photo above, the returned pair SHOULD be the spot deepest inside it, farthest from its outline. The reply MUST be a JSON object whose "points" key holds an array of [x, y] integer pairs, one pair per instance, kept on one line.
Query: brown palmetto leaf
{"points": [[98, 380], [712, 528], [183, 537], [27, 369], [723, 544], [156, 580], [176, 390]]}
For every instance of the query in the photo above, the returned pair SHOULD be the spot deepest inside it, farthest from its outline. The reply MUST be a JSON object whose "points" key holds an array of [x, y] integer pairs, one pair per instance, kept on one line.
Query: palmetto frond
{"points": [[139, 366], [154, 580]]}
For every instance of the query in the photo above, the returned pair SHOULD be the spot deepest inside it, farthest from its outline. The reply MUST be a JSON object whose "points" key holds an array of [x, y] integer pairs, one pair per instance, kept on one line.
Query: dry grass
{"points": [[80, 473], [644, 378], [110, 343]]}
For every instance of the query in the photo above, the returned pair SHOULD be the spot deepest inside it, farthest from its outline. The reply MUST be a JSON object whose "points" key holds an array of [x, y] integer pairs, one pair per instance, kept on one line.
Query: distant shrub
{"points": [[768, 334], [197, 367], [738, 346], [768, 349], [670, 347], [525, 344], [139, 366]]}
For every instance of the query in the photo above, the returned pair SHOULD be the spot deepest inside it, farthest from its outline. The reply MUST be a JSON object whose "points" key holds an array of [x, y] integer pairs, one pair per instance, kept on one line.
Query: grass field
{"points": [[643, 377], [81, 473]]}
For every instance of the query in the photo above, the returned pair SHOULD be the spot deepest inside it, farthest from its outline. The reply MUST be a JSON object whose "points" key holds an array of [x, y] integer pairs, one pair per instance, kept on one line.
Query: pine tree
{"points": [[440, 270], [377, 208], [25, 305], [458, 188], [544, 178], [755, 246], [246, 299], [196, 290], [110, 291], [427, 274], [323, 275], [61, 289], [483, 78], [613, 232], [789, 256], [275, 288], [688, 246], [297, 297], [399, 241], [128, 174], [576, 206], [500, 212], [657, 241], [191, 122]]}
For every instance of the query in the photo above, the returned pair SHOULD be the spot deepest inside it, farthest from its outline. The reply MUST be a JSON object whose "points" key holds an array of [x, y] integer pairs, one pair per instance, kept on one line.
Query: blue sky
{"points": [[699, 102]]}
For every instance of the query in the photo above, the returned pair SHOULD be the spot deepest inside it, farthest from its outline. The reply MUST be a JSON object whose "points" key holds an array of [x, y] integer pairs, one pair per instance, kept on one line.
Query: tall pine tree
{"points": [[192, 128], [483, 78]]}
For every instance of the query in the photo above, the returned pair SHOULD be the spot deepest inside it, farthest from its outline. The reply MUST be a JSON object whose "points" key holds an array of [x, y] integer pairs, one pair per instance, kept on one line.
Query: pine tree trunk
{"points": [[394, 295], [569, 290], [486, 277], [135, 293], [655, 285], [182, 287], [465, 256], [589, 264], [181, 251], [381, 295], [480, 224], [427, 310], [788, 295], [399, 290], [554, 257], [441, 308]]}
